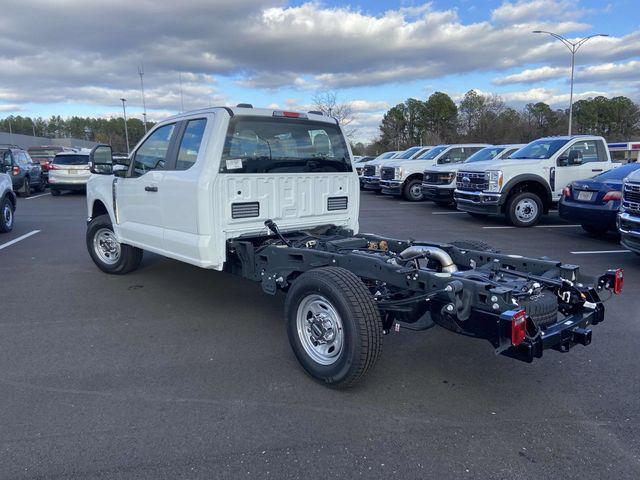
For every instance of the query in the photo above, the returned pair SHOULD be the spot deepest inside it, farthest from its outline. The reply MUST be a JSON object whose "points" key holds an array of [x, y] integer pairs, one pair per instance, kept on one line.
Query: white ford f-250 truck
{"points": [[529, 183], [272, 196], [7, 201]]}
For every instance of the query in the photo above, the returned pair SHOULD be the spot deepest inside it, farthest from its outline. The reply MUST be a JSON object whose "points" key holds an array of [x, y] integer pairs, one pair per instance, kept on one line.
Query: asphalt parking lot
{"points": [[177, 372]]}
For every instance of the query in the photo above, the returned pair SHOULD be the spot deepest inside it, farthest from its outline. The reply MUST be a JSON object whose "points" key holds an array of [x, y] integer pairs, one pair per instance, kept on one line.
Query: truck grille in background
{"points": [[369, 171], [245, 210], [436, 178], [387, 173], [337, 203], [472, 181], [631, 197]]}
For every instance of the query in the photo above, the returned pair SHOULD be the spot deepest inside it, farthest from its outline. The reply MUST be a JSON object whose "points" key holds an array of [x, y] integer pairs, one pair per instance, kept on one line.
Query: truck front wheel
{"points": [[524, 209], [106, 252], [333, 325], [413, 191]]}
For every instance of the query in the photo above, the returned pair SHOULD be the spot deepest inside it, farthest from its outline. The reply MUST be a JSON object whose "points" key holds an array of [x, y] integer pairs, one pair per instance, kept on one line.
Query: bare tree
{"points": [[326, 101]]}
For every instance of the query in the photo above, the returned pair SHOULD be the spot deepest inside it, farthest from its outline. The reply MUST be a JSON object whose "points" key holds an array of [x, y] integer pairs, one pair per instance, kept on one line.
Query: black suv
{"points": [[26, 175]]}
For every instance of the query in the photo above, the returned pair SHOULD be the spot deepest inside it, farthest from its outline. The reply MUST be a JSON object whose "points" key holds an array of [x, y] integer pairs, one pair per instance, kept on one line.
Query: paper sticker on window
{"points": [[234, 164]]}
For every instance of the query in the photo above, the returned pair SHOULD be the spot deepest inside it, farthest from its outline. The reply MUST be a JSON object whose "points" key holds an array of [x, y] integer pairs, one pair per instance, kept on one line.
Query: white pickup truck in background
{"points": [[530, 183]]}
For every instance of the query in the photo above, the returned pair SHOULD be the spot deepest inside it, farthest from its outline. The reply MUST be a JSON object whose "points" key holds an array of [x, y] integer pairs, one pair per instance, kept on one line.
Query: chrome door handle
{"points": [[150, 188]]}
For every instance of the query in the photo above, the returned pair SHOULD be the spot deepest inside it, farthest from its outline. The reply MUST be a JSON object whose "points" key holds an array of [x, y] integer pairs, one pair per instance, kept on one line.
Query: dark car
{"points": [[594, 203], [44, 155], [26, 175]]}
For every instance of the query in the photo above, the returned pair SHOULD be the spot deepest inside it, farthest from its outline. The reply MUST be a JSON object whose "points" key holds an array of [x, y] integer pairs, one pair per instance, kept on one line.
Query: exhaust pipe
{"points": [[430, 252]]}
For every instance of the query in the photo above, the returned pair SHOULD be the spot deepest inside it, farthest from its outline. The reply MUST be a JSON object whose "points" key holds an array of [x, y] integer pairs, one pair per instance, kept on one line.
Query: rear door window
{"points": [[283, 145], [190, 144]]}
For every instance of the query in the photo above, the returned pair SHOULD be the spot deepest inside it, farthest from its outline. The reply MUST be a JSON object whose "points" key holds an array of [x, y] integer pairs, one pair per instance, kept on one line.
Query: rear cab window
{"points": [[71, 160], [256, 144]]}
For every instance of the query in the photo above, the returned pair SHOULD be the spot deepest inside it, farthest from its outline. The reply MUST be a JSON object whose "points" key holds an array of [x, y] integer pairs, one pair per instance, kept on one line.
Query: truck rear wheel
{"points": [[106, 252], [524, 209], [333, 325], [413, 191], [6, 215], [542, 308]]}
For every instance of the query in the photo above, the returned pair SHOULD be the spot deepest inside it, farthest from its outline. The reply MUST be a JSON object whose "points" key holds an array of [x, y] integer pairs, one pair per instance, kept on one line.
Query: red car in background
{"points": [[44, 156]]}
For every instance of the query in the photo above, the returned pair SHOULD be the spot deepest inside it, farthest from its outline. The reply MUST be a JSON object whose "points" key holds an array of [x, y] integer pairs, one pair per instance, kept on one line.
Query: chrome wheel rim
{"points": [[320, 329], [416, 191], [106, 246], [7, 215], [526, 210]]}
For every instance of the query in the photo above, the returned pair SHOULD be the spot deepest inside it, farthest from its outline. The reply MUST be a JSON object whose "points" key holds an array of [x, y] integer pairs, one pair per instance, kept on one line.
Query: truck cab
{"points": [[371, 171], [439, 181], [196, 180], [404, 177], [530, 182]]}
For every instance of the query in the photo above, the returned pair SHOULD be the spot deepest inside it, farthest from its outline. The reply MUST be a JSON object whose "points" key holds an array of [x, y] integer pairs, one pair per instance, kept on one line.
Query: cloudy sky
{"points": [[73, 57]]}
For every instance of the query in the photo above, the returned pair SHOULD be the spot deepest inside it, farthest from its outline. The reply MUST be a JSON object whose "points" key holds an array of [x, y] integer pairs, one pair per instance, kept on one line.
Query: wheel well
{"points": [[12, 199], [414, 176], [534, 187], [98, 209]]}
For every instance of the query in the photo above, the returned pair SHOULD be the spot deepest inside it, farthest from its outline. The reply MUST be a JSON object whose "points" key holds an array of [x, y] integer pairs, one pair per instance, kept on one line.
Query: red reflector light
{"points": [[613, 195], [280, 113], [16, 170], [619, 281], [566, 193], [52, 167], [518, 327]]}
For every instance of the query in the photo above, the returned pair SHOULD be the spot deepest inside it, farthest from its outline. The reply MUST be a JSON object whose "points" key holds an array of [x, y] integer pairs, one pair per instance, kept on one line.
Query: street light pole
{"points": [[573, 48], [126, 131], [144, 105]]}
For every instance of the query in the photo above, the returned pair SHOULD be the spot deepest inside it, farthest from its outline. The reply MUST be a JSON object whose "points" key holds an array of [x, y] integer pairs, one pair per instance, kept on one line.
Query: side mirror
{"points": [[120, 170], [101, 160], [445, 160], [563, 161]]}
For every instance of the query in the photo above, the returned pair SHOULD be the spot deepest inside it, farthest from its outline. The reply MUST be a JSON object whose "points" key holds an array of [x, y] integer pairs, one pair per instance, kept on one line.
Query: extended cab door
{"points": [[581, 160], [138, 195]]}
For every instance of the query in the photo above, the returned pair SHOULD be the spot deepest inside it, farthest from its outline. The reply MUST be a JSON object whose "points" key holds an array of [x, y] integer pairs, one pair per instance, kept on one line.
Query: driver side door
{"points": [[138, 194], [567, 173]]}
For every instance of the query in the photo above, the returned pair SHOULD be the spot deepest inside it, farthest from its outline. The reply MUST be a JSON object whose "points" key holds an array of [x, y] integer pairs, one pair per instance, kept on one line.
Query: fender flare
{"points": [[526, 177]]}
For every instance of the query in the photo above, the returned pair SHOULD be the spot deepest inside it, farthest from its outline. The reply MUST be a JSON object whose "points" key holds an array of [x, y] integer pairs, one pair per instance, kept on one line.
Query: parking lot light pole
{"points": [[126, 131], [573, 48]]}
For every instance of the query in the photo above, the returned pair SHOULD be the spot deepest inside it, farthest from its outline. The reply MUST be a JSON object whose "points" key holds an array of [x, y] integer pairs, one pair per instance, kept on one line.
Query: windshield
{"points": [[283, 145], [408, 153], [618, 173], [71, 160], [43, 152], [433, 153], [540, 149], [386, 155], [484, 154]]}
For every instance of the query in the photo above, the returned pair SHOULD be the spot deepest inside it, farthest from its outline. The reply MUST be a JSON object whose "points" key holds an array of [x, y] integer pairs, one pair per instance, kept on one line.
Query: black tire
{"points": [[41, 186], [412, 191], [6, 215], [360, 318], [542, 309], [593, 230], [479, 216], [524, 209], [474, 245], [129, 257], [54, 192], [25, 191]]}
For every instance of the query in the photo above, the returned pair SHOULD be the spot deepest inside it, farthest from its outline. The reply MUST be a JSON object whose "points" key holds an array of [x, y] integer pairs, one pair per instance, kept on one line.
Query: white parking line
{"points": [[16, 240], [595, 252], [537, 226], [448, 213], [37, 196]]}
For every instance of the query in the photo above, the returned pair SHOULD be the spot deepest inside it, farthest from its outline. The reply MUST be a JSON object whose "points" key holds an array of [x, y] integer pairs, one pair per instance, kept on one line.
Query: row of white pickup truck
{"points": [[523, 182]]}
